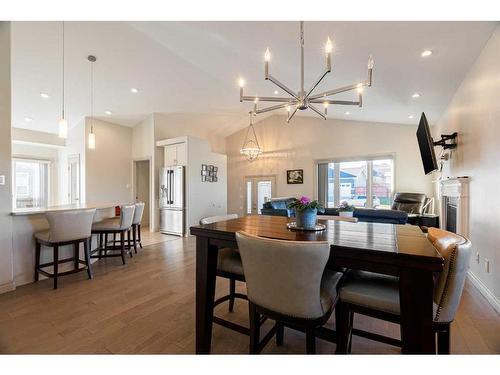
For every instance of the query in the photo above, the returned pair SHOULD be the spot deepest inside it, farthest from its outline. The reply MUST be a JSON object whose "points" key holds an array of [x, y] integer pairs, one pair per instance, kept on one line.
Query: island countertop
{"points": [[64, 207]]}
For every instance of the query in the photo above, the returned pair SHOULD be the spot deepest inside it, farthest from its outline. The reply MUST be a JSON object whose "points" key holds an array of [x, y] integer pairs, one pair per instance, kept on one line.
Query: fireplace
{"points": [[454, 205]]}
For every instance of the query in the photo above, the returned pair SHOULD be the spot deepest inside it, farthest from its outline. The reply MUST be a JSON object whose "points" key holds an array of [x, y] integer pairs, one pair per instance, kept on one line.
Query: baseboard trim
{"points": [[9, 287], [483, 289]]}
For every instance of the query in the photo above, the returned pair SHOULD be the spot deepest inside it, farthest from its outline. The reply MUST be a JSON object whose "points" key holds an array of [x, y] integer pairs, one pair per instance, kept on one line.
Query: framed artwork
{"points": [[204, 172], [295, 176], [209, 173], [203, 178], [203, 167]]}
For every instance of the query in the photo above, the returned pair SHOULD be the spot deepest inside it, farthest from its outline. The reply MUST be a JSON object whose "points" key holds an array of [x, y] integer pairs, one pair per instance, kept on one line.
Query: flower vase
{"points": [[306, 219]]}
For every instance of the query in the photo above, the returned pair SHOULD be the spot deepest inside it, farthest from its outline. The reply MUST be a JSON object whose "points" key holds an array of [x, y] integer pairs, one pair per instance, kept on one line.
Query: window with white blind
{"points": [[30, 183], [361, 182]]}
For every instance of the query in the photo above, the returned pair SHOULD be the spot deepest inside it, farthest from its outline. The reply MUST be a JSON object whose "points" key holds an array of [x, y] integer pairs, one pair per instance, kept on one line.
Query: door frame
{"points": [[70, 157], [254, 189], [151, 187]]}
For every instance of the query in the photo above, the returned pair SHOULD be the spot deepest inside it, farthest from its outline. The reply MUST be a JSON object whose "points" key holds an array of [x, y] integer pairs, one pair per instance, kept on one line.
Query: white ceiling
{"points": [[192, 67]]}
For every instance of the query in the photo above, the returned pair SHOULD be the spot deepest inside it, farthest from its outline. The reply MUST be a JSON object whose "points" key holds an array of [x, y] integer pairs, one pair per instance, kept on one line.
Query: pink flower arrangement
{"points": [[305, 203]]}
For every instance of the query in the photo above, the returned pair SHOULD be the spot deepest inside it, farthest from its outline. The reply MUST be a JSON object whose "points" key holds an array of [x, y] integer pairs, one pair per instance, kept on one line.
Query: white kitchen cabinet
{"points": [[175, 154]]}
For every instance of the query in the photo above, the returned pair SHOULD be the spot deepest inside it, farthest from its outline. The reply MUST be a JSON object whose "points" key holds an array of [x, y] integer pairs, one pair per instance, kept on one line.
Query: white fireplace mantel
{"points": [[457, 188]]}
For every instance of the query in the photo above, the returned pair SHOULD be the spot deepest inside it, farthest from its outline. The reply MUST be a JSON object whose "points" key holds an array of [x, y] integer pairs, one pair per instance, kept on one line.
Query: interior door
{"points": [[74, 179], [258, 190], [141, 187]]}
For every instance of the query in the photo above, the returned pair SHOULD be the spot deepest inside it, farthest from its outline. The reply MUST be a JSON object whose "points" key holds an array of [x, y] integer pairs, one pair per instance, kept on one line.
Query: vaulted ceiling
{"points": [[192, 67]]}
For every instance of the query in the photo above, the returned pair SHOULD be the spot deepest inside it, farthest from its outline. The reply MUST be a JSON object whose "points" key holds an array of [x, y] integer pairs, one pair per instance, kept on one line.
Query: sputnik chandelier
{"points": [[303, 99], [251, 148]]}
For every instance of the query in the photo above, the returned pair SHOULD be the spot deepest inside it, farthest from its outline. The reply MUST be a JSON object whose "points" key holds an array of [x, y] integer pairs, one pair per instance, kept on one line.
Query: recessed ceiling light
{"points": [[28, 119], [276, 92], [348, 113], [416, 95], [108, 112], [134, 90], [44, 95], [426, 53], [411, 116]]}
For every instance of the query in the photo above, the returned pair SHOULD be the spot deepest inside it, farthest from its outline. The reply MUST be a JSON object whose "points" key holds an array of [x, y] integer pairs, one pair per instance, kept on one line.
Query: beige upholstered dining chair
{"points": [[122, 226], [66, 228], [229, 267], [378, 295], [287, 281]]}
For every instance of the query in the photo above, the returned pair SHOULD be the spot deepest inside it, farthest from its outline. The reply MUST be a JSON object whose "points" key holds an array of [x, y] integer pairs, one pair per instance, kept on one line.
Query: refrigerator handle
{"points": [[173, 183], [171, 187], [169, 184]]}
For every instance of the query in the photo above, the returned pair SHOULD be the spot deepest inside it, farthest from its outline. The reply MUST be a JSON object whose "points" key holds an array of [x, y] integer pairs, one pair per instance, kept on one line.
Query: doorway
{"points": [[74, 179], [142, 187], [259, 190]]}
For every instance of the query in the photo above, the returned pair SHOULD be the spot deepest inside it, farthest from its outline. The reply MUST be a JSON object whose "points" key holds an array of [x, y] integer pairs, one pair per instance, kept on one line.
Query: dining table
{"points": [[390, 249]]}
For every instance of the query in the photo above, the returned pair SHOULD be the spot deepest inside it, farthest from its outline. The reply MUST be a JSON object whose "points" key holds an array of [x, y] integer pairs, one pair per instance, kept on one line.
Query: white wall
{"points": [[306, 139], [474, 113], [109, 167], [6, 261]]}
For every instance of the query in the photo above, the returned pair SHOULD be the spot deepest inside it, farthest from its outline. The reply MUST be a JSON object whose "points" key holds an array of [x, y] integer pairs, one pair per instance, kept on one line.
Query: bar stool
{"points": [[66, 228], [121, 225], [136, 224]]}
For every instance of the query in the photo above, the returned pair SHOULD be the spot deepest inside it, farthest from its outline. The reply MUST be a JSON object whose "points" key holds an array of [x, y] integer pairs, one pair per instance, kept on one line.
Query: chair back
{"points": [[456, 251], [284, 276], [70, 225], [138, 212], [411, 203], [126, 216], [215, 219]]}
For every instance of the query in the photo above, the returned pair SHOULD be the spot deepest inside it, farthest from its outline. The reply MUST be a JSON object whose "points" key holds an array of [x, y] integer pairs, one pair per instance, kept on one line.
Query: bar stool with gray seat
{"points": [[287, 281], [229, 267], [66, 228], [120, 225], [377, 295], [136, 224]]}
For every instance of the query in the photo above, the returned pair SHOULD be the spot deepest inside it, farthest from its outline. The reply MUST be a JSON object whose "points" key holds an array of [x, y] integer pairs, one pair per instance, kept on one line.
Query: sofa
{"points": [[279, 207]]}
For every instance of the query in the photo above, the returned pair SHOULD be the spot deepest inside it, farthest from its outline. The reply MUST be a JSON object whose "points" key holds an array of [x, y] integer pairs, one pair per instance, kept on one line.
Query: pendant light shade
{"points": [[91, 141], [251, 148], [63, 124]]}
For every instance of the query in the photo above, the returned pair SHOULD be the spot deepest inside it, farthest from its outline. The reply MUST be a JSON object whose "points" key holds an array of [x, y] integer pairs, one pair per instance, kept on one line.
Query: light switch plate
{"points": [[2, 180]]}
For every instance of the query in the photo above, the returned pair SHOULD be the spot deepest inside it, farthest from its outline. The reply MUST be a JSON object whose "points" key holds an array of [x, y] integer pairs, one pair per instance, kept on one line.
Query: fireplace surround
{"points": [[454, 205]]}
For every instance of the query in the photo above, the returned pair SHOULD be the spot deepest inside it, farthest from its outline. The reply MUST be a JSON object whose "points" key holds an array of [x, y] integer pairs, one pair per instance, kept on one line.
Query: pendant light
{"points": [[251, 148], [63, 124], [91, 144]]}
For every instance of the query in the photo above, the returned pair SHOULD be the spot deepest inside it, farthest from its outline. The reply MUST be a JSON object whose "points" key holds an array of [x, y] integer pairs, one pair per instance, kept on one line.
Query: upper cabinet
{"points": [[175, 154]]}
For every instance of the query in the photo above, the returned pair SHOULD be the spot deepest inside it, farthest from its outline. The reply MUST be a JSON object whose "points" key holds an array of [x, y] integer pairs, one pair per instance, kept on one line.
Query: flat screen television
{"points": [[426, 145]]}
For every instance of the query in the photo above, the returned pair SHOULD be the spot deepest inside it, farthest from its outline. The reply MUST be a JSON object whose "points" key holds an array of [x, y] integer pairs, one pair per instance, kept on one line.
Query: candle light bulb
{"points": [[328, 46], [267, 55], [370, 62], [288, 108], [241, 82], [360, 88], [325, 104]]}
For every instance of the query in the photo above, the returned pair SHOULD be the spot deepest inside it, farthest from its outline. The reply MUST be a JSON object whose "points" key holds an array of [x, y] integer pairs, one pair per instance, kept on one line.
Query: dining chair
{"points": [[120, 225], [66, 228], [136, 225], [377, 295], [229, 267], [287, 281]]}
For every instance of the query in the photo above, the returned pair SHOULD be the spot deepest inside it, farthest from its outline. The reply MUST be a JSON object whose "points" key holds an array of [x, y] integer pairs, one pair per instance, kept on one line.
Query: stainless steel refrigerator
{"points": [[172, 207]]}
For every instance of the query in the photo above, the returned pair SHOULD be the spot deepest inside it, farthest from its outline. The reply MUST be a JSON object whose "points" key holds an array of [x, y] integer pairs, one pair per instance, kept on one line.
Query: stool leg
{"points": [[37, 259], [105, 243], [310, 341], [100, 245], [280, 334], [254, 318], [232, 291], [86, 250], [56, 264], [128, 244], [77, 255], [114, 238], [122, 242], [134, 234], [139, 233]]}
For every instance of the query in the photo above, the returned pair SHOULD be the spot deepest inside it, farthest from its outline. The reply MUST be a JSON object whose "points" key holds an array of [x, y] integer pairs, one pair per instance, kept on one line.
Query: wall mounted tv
{"points": [[426, 145]]}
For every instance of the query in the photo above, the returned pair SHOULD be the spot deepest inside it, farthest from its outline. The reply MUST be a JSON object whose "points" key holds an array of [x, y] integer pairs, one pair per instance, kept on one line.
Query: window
{"points": [[30, 183], [362, 183]]}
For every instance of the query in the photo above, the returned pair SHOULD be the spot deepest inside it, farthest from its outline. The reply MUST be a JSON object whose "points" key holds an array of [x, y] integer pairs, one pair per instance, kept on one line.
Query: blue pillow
{"points": [[279, 205]]}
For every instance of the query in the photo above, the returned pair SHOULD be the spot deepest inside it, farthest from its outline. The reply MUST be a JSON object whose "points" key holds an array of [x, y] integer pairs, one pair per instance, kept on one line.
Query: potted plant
{"points": [[306, 212], [345, 209]]}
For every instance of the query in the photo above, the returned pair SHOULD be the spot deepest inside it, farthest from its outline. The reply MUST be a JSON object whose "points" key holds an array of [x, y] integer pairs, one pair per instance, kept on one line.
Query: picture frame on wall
{"points": [[203, 178], [203, 167], [204, 172], [295, 176]]}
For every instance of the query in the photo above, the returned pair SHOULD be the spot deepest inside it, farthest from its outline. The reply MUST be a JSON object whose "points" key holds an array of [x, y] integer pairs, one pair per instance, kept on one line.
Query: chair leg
{"points": [[310, 341], [232, 291], [134, 237], [139, 234], [76, 265], [443, 345], [280, 334], [56, 264], [37, 259], [254, 318], [86, 250], [122, 242], [100, 245], [130, 252], [342, 327], [351, 323]]}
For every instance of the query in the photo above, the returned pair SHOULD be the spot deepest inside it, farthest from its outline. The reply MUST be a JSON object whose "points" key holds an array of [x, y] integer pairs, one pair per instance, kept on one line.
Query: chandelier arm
{"points": [[283, 87], [338, 90], [266, 99], [246, 137], [290, 115], [317, 111], [330, 101], [255, 136], [274, 107], [317, 82]]}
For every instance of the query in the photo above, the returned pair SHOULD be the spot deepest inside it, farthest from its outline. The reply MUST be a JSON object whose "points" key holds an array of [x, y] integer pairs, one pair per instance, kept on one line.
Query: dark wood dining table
{"points": [[399, 250]]}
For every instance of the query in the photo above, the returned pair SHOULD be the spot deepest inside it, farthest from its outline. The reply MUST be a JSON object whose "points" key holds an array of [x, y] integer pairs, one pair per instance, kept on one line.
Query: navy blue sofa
{"points": [[279, 207]]}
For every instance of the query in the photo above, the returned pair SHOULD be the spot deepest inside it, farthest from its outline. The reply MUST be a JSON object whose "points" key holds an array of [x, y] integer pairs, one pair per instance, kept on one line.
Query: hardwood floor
{"points": [[147, 306]]}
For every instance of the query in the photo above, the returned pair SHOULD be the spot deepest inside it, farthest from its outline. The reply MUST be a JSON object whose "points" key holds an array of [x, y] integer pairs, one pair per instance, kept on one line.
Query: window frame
{"points": [[47, 162], [369, 160]]}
